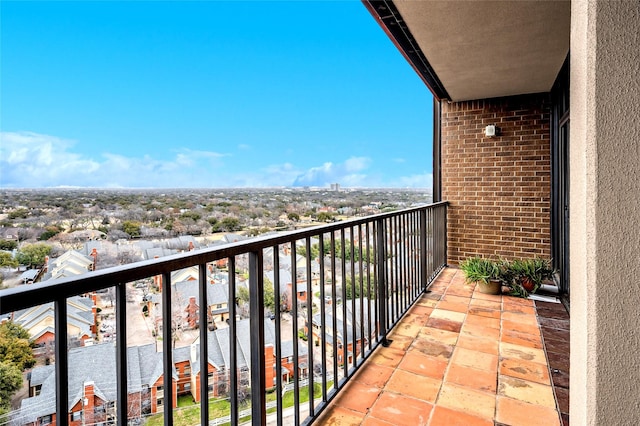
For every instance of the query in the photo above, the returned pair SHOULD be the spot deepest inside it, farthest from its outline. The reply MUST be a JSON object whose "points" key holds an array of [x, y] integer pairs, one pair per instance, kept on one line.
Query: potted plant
{"points": [[485, 272], [528, 275]]}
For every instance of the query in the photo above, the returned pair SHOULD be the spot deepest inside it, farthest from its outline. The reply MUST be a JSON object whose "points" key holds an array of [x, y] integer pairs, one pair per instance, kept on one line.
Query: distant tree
{"points": [[16, 355], [20, 213], [8, 244], [6, 260], [227, 224], [15, 346], [33, 254], [242, 295], [50, 231], [268, 295], [354, 291], [131, 227], [10, 382], [324, 217], [294, 216], [315, 251], [195, 216]]}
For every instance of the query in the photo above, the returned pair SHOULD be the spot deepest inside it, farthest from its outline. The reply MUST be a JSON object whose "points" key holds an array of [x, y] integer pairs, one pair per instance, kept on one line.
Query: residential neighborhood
{"points": [[92, 332]]}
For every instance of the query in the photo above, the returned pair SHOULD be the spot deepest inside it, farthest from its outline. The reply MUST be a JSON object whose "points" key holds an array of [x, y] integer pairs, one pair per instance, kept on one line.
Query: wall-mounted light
{"points": [[490, 131]]}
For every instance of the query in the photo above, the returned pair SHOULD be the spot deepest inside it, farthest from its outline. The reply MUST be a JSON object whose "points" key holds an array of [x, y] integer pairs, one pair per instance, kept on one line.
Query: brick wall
{"points": [[499, 188]]}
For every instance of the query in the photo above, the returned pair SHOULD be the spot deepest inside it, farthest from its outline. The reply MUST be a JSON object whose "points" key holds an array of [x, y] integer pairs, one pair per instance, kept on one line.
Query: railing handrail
{"points": [[13, 299]]}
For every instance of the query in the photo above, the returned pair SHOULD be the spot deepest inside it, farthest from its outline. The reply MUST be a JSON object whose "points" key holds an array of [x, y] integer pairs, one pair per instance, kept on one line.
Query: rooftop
{"points": [[467, 358]]}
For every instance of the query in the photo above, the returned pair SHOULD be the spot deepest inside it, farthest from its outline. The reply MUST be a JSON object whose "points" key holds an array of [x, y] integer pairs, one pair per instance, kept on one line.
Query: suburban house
{"points": [[356, 308], [39, 322], [219, 357], [92, 389], [70, 263]]}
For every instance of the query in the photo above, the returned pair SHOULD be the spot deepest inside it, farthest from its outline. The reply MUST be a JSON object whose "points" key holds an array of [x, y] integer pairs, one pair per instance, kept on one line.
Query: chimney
{"points": [[94, 311], [157, 279], [88, 402], [45, 268], [94, 254], [191, 246], [290, 296]]}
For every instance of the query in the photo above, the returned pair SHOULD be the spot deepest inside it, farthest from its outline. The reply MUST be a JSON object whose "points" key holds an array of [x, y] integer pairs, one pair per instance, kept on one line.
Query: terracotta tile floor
{"points": [[459, 357]]}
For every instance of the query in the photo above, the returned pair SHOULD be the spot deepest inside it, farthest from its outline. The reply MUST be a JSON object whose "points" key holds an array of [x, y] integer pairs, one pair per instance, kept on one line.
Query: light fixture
{"points": [[490, 131]]}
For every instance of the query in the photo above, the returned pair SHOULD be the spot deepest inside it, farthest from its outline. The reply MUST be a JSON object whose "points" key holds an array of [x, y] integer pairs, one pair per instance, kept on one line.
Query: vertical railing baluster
{"points": [[121, 354], [294, 325], [167, 341], [354, 285], [415, 254], [369, 284], [278, 325], [382, 280], [62, 363], [256, 322], [309, 326], [444, 234], [233, 338], [362, 293], [322, 336], [396, 267], [334, 310], [424, 272], [203, 324], [406, 284], [408, 232], [376, 279], [345, 335]]}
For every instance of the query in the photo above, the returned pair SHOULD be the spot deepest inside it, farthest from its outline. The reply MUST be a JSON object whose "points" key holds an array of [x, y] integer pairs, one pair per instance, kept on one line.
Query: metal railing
{"points": [[351, 282]]}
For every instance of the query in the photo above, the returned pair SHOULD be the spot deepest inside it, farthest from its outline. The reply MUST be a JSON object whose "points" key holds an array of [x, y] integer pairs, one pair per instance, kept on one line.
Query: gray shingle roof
{"points": [[219, 352], [97, 364]]}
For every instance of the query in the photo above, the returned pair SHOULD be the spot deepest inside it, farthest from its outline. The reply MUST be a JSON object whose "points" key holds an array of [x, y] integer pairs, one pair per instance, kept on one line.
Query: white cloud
{"points": [[32, 160], [349, 173], [424, 180], [35, 160]]}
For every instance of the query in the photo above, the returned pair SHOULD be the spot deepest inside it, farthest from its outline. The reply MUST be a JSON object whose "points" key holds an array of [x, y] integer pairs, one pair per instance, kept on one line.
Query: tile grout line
{"points": [[396, 368]]}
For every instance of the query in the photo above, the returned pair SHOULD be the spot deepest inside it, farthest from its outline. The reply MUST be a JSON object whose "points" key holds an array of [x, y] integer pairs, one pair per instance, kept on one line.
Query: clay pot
{"points": [[528, 284], [492, 287]]}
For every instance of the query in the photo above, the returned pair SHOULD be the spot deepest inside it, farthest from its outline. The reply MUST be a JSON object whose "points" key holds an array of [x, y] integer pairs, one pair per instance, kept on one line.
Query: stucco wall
{"points": [[605, 212]]}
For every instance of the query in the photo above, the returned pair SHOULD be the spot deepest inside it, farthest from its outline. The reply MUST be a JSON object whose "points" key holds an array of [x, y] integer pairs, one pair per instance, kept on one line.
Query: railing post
{"points": [[424, 271], [203, 324], [62, 363], [444, 231], [122, 411], [382, 279], [256, 322], [167, 341]]}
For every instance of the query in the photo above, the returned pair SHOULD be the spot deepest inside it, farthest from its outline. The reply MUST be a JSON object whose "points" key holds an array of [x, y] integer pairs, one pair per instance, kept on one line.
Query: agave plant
{"points": [[528, 275]]}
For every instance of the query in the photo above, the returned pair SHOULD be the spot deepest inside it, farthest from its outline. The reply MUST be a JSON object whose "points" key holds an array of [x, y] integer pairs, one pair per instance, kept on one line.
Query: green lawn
{"points": [[188, 413]]}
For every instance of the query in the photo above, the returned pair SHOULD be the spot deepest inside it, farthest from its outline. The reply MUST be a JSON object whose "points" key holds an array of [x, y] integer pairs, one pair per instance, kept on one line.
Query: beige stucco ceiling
{"points": [[483, 49]]}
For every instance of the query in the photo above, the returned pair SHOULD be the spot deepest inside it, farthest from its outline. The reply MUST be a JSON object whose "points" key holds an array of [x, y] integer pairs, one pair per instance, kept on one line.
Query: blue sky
{"points": [[207, 94]]}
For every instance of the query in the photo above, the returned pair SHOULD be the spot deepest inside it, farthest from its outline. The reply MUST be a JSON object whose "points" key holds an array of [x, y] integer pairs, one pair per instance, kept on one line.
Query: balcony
{"points": [[357, 279]]}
